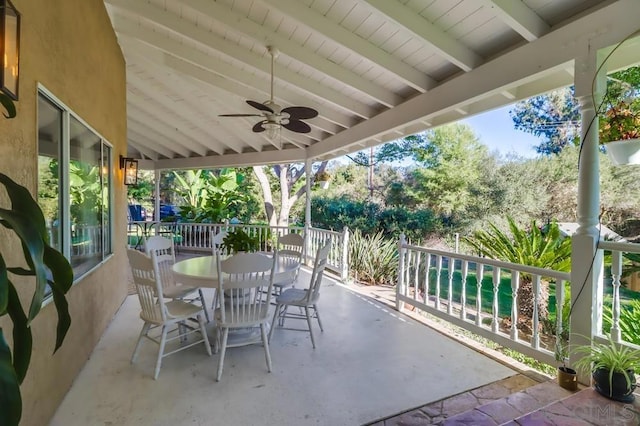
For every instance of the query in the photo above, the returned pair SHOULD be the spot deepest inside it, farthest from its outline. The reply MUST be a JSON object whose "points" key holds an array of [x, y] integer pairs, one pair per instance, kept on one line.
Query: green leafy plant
{"points": [[534, 247], [612, 358], [373, 258], [629, 320], [239, 240], [48, 266], [8, 104]]}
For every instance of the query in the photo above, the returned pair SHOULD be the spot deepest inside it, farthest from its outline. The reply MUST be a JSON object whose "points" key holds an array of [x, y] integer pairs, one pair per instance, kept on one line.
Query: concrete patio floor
{"points": [[370, 363]]}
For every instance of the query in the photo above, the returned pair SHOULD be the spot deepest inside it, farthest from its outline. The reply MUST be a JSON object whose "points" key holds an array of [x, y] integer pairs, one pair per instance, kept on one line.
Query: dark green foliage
{"points": [[371, 218], [47, 266], [239, 240]]}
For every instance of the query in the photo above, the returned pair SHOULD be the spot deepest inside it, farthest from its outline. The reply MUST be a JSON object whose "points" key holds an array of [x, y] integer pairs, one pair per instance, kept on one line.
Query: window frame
{"points": [[64, 204]]}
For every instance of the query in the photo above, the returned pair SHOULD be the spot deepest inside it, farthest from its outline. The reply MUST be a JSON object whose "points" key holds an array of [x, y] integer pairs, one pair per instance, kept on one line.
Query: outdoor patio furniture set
{"points": [[247, 286]]}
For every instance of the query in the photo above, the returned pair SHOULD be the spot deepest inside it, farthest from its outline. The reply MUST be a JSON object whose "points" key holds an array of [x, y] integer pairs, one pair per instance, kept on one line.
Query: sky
{"points": [[495, 129]]}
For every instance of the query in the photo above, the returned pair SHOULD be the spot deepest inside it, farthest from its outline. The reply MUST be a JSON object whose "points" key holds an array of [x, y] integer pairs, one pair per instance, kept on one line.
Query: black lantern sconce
{"points": [[9, 48], [130, 167]]}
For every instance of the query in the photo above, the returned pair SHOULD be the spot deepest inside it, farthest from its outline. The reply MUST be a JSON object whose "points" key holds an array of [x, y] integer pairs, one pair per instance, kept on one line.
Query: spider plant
{"points": [[612, 359]]}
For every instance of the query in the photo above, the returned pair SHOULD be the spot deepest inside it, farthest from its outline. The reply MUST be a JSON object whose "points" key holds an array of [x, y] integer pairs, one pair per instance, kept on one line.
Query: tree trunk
{"points": [[525, 303], [269, 208]]}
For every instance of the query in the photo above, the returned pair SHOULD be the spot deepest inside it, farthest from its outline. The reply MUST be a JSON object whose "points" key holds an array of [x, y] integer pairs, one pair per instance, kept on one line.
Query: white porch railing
{"points": [[426, 282], [617, 249], [197, 237]]}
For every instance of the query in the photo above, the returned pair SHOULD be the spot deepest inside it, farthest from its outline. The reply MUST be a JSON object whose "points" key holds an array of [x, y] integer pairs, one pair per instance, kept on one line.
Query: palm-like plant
{"points": [[533, 247]]}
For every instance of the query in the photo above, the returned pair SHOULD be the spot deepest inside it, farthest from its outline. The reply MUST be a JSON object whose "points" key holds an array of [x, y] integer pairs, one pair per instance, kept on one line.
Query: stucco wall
{"points": [[69, 47]]}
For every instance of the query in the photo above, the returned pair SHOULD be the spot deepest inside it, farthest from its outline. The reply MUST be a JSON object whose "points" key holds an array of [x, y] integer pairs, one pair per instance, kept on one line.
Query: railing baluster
{"points": [[452, 265], [616, 273], [515, 285], [559, 316], [463, 294], [426, 279], [438, 273], [400, 285], [479, 278], [496, 307], [535, 343], [416, 288]]}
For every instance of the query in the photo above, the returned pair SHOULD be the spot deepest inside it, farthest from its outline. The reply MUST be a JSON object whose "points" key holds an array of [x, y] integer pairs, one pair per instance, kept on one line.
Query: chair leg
{"points": [[273, 321], [143, 333], [283, 315], [225, 335], [204, 305], [163, 340], [265, 342], [306, 311], [315, 308], [203, 331]]}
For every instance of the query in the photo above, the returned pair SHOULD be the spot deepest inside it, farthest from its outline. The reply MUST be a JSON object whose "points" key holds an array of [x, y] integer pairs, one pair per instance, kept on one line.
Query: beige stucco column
{"points": [[586, 261]]}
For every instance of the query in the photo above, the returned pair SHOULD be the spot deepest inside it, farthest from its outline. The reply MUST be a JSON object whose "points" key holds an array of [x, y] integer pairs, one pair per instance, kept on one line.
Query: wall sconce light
{"points": [[130, 167], [9, 48]]}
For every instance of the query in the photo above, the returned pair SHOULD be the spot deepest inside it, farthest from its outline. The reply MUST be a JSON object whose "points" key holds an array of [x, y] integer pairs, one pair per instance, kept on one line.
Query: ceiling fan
{"points": [[274, 115]]}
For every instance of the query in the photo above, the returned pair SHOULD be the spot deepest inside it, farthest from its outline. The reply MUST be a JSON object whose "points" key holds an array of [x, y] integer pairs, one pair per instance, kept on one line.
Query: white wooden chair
{"points": [[290, 249], [306, 299], [245, 281], [165, 257], [216, 241], [156, 313]]}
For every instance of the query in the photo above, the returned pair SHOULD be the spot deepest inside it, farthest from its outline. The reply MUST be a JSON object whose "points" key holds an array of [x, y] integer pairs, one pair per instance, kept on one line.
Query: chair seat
{"points": [[176, 309], [177, 291], [294, 296]]}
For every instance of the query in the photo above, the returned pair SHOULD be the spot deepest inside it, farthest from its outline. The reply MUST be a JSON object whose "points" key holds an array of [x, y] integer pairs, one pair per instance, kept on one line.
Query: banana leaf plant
{"points": [[48, 266]]}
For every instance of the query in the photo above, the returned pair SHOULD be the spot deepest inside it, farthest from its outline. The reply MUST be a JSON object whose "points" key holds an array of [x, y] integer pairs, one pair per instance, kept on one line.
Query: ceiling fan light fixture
{"points": [[272, 130]]}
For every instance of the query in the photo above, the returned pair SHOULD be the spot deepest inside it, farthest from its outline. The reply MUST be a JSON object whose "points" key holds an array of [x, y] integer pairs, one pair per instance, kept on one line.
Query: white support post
{"points": [[586, 260], [344, 260], [401, 283], [307, 210], [156, 207]]}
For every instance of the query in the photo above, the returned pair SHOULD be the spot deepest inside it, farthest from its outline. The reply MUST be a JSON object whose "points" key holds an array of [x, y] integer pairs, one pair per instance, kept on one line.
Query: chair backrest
{"points": [[319, 266], [145, 277], [161, 251], [290, 248], [244, 283], [216, 241]]}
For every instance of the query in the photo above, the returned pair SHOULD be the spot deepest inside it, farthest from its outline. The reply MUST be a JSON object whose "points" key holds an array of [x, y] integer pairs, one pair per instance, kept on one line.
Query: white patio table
{"points": [[202, 272]]}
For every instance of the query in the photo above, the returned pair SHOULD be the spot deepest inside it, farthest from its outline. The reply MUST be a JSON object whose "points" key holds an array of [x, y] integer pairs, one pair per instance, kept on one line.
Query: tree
{"points": [[554, 116], [532, 247], [450, 159], [288, 180]]}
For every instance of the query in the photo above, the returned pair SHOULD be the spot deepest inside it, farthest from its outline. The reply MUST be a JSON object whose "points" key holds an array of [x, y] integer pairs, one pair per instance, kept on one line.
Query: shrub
{"points": [[373, 259]]}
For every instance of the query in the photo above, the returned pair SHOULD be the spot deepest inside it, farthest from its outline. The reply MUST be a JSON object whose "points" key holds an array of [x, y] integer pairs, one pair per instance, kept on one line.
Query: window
{"points": [[74, 185]]}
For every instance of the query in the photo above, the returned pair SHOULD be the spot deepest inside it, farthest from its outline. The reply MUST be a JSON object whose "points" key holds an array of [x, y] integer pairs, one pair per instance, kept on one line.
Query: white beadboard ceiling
{"points": [[375, 70]]}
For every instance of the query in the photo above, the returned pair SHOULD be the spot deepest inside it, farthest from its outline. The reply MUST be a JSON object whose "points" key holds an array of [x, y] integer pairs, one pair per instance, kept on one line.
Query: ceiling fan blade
{"points": [[297, 126], [300, 112], [240, 115], [257, 128], [260, 106]]}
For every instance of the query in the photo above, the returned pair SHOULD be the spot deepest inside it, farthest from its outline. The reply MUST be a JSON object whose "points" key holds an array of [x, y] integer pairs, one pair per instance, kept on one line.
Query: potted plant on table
{"points": [[612, 367], [239, 240]]}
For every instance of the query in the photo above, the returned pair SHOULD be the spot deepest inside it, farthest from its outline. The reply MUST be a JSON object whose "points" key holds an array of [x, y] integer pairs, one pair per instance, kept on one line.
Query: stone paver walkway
{"points": [[585, 408], [435, 412]]}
